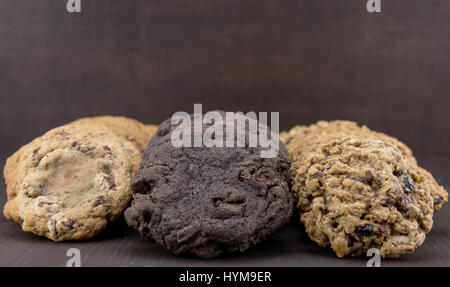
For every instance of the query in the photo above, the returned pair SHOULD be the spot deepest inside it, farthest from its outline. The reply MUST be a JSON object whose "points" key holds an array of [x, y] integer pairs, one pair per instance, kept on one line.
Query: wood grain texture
{"points": [[290, 246], [308, 60]]}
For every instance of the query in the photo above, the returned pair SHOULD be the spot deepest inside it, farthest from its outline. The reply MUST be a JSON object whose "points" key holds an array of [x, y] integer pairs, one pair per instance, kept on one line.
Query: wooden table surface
{"points": [[290, 246], [146, 59]]}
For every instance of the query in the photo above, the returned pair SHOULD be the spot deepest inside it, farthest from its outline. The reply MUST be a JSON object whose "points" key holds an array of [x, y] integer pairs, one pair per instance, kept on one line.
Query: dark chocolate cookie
{"points": [[206, 201]]}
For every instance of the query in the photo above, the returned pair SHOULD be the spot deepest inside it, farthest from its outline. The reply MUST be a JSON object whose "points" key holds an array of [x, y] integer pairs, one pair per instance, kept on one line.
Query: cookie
{"points": [[73, 182], [10, 169], [134, 131], [204, 201], [306, 137], [302, 139], [357, 189]]}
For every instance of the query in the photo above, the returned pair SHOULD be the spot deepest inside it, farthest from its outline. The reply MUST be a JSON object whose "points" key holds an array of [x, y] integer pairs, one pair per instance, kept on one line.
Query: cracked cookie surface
{"points": [[206, 201], [73, 182], [357, 189]]}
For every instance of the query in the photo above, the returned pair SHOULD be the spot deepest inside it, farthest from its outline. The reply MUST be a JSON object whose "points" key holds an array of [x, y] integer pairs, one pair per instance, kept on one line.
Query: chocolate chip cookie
{"points": [[205, 201], [134, 131], [72, 182], [356, 189]]}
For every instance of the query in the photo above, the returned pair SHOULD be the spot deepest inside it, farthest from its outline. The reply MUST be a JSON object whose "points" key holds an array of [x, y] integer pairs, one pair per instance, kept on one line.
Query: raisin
{"points": [[437, 200], [388, 202], [369, 230], [397, 173], [402, 204], [370, 179], [363, 231], [408, 186], [318, 174], [107, 148], [350, 241]]}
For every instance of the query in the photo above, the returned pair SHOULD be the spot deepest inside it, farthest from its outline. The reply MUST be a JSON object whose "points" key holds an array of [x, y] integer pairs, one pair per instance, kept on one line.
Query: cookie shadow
{"points": [[114, 230], [289, 246]]}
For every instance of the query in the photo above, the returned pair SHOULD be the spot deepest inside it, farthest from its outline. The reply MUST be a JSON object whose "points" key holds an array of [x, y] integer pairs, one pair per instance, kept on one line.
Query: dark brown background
{"points": [[308, 60]]}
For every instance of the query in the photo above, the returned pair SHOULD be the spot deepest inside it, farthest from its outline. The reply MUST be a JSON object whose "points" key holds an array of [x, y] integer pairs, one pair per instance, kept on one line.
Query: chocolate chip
{"points": [[69, 224], [408, 186], [30, 192], [85, 149], [110, 181], [74, 144], [99, 201], [369, 230], [107, 148], [370, 179], [53, 228]]}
